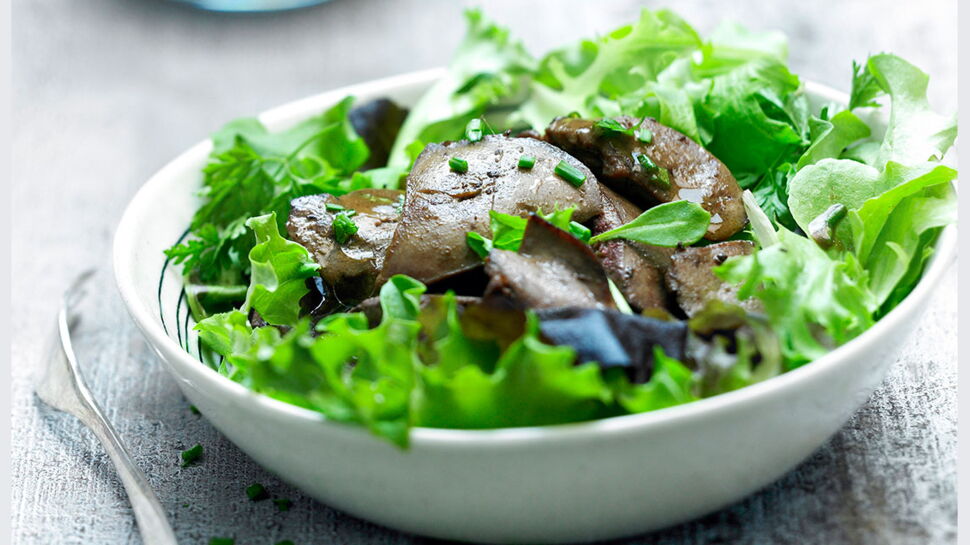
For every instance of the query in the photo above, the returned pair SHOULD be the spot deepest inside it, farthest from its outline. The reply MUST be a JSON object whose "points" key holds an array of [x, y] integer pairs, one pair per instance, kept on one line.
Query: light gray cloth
{"points": [[107, 91]]}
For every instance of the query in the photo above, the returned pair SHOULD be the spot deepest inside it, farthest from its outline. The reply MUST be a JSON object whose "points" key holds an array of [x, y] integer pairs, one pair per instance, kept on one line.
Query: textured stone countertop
{"points": [[107, 91]]}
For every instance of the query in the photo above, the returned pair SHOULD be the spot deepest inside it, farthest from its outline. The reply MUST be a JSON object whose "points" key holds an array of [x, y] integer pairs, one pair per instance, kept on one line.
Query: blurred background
{"points": [[107, 91]]}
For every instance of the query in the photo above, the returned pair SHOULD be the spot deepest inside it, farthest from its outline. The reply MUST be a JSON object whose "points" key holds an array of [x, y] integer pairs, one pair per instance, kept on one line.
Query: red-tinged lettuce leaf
{"points": [[729, 348], [612, 339]]}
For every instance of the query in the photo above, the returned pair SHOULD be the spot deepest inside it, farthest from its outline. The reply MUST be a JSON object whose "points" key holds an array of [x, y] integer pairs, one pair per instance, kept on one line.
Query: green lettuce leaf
{"points": [[754, 117], [892, 232], [488, 66], [586, 77], [894, 177], [831, 137], [904, 245], [279, 271], [671, 384], [533, 384], [814, 302], [916, 133]]}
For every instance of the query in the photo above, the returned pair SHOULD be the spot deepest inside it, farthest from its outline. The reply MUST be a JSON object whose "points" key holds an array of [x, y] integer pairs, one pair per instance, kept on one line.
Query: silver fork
{"points": [[62, 387]]}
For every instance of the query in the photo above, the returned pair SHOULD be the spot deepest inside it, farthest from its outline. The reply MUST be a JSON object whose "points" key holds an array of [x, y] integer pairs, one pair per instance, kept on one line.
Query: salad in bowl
{"points": [[629, 223]]}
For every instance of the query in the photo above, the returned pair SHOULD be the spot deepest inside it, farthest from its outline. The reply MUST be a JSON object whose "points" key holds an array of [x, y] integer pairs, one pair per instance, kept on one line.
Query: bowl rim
{"points": [[125, 242]]}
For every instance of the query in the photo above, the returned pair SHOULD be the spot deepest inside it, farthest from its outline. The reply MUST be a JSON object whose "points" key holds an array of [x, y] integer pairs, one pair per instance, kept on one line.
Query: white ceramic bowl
{"points": [[567, 483]]}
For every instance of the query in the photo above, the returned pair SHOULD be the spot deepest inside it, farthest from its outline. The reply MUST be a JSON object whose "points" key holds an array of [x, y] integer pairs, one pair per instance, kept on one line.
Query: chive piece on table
{"points": [[343, 227], [458, 164], [194, 409], [283, 504], [570, 173], [527, 161], [191, 455], [473, 131], [222, 541], [256, 492]]}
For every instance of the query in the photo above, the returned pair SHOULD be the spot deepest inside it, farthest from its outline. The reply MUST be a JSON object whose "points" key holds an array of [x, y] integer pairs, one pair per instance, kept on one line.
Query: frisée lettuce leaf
{"points": [[487, 67]]}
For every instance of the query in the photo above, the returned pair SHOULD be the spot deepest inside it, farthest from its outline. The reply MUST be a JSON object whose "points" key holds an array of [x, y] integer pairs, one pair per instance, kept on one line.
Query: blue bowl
{"points": [[250, 6]]}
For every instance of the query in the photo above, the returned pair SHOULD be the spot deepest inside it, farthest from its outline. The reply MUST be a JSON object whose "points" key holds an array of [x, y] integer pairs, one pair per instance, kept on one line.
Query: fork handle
{"points": [[149, 513]]}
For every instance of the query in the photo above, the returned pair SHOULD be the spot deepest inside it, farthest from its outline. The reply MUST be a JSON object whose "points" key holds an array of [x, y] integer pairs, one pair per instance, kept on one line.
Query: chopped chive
{"points": [[222, 541], [334, 207], [256, 492], [658, 175], [473, 131], [580, 231], [191, 455], [662, 178], [350, 213], [527, 161], [458, 164], [283, 504], [570, 173], [645, 135], [343, 227], [645, 161], [835, 213], [194, 409], [822, 228]]}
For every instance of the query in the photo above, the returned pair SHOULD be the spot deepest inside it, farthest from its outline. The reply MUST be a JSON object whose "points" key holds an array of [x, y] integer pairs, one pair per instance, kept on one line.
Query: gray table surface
{"points": [[106, 91]]}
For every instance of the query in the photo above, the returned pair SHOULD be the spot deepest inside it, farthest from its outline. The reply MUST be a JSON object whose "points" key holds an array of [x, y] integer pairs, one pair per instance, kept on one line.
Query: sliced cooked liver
{"points": [[442, 206], [695, 174], [690, 276], [350, 268], [636, 269], [551, 269]]}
